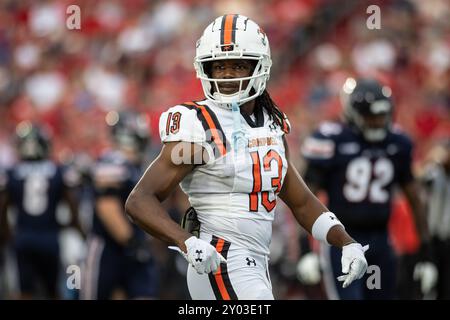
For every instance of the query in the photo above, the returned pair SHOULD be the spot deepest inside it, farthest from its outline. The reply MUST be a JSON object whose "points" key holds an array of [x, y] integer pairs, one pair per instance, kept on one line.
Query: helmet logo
{"points": [[227, 48], [263, 34]]}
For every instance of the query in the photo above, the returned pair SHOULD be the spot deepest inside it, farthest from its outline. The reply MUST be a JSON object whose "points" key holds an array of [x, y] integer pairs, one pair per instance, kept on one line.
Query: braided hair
{"points": [[265, 101], [262, 101]]}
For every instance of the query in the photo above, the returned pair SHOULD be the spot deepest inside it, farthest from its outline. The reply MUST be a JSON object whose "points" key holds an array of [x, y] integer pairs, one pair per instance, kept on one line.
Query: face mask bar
{"points": [[371, 134], [258, 78]]}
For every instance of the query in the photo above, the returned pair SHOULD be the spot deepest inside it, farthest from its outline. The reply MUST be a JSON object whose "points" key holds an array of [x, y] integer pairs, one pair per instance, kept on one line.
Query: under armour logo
{"points": [[333, 218], [250, 261], [198, 252], [272, 127]]}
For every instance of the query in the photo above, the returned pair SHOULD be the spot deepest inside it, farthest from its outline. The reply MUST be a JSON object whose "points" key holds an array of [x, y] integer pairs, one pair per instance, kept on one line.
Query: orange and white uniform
{"points": [[234, 194]]}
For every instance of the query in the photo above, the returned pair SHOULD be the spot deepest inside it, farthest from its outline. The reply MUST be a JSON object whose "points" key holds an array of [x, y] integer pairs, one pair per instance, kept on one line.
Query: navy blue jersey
{"points": [[358, 176], [113, 175], [35, 188]]}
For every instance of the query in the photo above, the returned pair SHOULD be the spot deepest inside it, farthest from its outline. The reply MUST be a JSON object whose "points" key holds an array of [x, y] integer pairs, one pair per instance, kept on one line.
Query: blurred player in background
{"points": [[358, 163], [118, 256], [436, 180], [34, 187]]}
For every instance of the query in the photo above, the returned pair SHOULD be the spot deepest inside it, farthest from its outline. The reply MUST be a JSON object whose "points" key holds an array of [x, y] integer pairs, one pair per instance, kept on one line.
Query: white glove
{"points": [[308, 269], [201, 255], [354, 264], [427, 273]]}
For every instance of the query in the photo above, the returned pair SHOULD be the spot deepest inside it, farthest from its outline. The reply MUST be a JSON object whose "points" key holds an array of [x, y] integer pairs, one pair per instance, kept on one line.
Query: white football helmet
{"points": [[233, 36]]}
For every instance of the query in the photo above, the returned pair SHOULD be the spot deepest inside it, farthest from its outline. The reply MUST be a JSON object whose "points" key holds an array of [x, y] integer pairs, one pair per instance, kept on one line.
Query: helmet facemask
{"points": [[370, 133], [130, 132], [33, 142], [366, 99]]}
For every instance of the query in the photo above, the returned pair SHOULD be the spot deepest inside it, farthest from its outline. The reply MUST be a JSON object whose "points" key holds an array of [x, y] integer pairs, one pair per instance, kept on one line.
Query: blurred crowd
{"points": [[138, 55]]}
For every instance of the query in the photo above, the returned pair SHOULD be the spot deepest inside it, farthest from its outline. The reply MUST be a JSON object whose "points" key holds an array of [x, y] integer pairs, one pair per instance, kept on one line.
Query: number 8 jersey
{"points": [[35, 188], [235, 192]]}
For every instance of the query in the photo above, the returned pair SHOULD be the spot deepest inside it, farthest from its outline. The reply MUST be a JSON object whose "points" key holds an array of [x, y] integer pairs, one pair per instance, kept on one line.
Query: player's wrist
{"points": [[338, 237], [181, 241], [349, 243], [322, 227]]}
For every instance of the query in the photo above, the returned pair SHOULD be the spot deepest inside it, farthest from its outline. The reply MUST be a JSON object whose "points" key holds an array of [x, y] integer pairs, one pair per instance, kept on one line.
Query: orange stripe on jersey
{"points": [[216, 138], [214, 131], [286, 128], [218, 274]]}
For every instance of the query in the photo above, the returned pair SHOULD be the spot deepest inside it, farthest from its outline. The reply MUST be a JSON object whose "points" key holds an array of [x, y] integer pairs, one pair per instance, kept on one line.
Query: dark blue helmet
{"points": [[129, 129], [368, 107], [33, 142]]}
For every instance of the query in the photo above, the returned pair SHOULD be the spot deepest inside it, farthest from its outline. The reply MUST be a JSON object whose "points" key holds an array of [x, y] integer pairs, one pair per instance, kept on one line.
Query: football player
{"points": [[118, 256], [358, 163], [436, 181], [34, 187], [228, 151]]}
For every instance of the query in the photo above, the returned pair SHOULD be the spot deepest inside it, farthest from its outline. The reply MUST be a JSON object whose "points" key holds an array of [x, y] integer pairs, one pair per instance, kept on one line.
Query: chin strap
{"points": [[239, 134]]}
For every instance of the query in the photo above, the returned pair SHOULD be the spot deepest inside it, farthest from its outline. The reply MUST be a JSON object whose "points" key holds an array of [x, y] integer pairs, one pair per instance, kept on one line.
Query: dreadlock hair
{"points": [[265, 101], [262, 101]]}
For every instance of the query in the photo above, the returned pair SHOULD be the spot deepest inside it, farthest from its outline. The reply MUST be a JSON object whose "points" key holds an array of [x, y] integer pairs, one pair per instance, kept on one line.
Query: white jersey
{"points": [[235, 193]]}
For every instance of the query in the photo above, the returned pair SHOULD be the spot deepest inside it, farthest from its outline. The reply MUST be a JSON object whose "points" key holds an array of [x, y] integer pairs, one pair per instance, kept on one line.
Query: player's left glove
{"points": [[354, 264]]}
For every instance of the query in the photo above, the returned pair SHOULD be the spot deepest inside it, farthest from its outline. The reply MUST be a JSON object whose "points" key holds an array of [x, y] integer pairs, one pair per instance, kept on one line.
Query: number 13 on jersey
{"points": [[257, 172]]}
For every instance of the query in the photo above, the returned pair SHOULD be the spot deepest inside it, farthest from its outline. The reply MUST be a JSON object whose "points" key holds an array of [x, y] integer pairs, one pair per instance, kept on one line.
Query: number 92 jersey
{"points": [[358, 176], [235, 192]]}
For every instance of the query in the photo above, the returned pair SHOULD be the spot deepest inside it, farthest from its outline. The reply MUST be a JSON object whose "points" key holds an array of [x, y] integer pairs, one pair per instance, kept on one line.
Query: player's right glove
{"points": [[201, 255], [354, 264], [427, 273], [425, 269]]}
